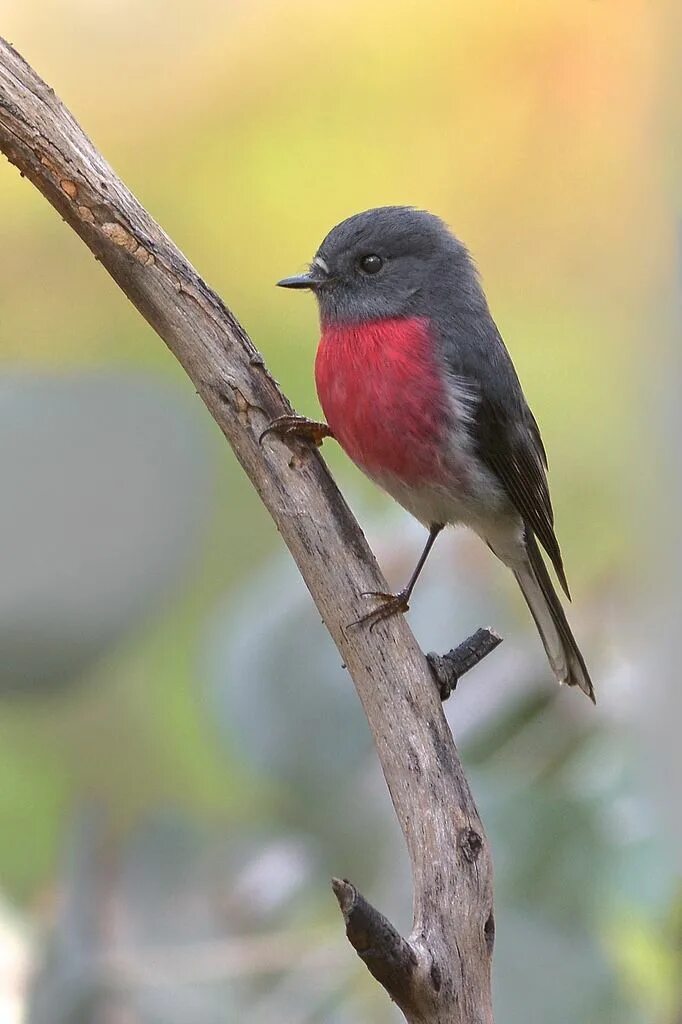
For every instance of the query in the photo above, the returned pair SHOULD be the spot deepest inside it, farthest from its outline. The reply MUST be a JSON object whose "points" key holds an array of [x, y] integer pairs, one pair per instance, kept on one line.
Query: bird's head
{"points": [[392, 261]]}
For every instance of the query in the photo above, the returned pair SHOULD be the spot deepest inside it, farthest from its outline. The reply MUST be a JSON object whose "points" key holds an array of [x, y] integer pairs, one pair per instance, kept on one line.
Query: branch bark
{"points": [[449, 668], [441, 974]]}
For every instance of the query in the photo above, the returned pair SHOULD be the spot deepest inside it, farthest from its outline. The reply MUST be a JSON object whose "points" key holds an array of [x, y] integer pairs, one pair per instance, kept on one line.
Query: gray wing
{"points": [[515, 453], [505, 431]]}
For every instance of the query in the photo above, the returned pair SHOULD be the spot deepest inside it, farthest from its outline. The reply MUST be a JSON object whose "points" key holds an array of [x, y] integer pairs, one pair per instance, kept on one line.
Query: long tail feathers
{"points": [[555, 632]]}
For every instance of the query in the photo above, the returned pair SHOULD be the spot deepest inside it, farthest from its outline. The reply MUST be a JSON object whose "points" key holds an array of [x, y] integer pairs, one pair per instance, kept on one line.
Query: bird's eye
{"points": [[371, 264]]}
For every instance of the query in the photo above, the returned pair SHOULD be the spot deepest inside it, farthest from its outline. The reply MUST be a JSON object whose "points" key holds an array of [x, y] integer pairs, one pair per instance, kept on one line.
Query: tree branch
{"points": [[449, 668], [442, 973], [387, 955]]}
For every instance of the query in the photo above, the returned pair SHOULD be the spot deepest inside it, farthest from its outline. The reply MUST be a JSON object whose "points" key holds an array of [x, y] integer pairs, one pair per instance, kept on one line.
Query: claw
{"points": [[391, 604], [298, 427]]}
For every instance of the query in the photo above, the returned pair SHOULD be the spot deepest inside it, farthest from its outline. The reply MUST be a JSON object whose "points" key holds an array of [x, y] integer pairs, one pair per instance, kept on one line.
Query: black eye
{"points": [[371, 264]]}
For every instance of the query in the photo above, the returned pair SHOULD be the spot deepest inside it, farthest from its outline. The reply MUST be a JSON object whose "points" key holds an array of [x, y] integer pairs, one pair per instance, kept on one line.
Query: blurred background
{"points": [[183, 762]]}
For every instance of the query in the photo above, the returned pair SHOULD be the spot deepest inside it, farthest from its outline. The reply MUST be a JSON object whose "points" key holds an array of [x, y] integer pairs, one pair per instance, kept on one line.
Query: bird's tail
{"points": [[545, 607]]}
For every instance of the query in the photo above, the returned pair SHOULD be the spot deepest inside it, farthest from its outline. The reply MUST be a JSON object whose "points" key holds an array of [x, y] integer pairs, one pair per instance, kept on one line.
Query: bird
{"points": [[419, 390]]}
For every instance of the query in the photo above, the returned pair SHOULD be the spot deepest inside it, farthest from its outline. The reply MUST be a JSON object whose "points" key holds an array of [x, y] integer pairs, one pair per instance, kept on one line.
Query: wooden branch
{"points": [[442, 973], [449, 668]]}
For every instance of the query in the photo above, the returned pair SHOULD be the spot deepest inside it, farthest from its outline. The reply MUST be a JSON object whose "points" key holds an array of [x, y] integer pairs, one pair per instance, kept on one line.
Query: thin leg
{"points": [[392, 604], [433, 533]]}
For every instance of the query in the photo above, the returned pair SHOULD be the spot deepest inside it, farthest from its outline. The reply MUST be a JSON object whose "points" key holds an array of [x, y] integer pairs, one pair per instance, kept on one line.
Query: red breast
{"points": [[382, 394]]}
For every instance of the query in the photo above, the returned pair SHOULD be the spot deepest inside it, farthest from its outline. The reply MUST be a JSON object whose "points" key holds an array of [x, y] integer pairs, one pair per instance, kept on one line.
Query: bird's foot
{"points": [[391, 604], [298, 427]]}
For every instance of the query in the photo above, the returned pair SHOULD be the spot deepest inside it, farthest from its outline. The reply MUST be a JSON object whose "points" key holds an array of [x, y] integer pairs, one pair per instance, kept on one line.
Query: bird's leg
{"points": [[392, 604], [299, 427]]}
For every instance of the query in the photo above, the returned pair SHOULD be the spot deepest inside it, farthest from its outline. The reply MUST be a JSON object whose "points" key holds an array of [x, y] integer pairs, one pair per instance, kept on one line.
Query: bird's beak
{"points": [[312, 279]]}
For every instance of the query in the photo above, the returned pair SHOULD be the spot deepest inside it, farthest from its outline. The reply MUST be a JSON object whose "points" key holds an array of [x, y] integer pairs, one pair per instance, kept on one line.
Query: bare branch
{"points": [[451, 867], [389, 958], [449, 668]]}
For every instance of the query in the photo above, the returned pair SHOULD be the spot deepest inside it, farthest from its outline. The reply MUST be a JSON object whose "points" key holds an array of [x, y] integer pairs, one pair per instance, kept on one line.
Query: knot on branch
{"points": [[471, 844]]}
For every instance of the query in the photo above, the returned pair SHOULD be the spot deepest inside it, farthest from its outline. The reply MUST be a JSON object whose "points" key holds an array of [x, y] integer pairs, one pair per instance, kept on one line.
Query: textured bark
{"points": [[442, 972], [449, 668]]}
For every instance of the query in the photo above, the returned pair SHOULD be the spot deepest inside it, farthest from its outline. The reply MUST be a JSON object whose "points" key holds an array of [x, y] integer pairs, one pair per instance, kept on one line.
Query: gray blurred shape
{"points": [[105, 486], [659, 612]]}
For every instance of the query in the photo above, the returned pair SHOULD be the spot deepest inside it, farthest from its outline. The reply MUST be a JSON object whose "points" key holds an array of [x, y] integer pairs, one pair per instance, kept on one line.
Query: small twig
{"points": [[387, 955], [449, 668]]}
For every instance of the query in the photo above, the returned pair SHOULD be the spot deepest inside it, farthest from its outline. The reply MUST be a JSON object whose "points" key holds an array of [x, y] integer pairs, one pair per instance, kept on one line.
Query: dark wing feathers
{"points": [[514, 451], [507, 435]]}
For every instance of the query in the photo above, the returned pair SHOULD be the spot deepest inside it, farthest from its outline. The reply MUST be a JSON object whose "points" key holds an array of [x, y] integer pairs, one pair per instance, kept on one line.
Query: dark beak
{"points": [[312, 279]]}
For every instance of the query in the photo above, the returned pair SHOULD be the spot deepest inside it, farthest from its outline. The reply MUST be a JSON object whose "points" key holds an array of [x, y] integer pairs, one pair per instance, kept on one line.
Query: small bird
{"points": [[419, 390]]}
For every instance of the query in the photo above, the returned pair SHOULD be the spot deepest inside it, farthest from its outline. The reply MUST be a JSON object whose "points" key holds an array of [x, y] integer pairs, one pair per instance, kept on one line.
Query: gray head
{"points": [[389, 262]]}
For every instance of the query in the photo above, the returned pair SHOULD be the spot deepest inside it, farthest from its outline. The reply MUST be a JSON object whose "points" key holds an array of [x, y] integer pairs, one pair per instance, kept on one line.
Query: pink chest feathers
{"points": [[381, 392]]}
